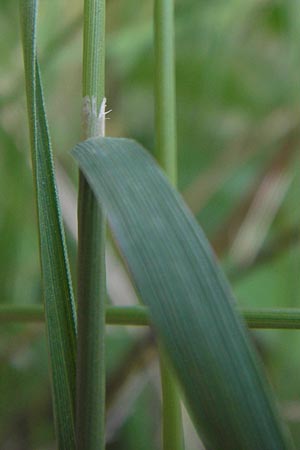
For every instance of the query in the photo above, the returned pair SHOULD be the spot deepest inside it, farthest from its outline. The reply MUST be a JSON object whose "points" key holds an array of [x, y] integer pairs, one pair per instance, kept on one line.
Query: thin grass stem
{"points": [[171, 408], [262, 318], [166, 154], [90, 401], [165, 100]]}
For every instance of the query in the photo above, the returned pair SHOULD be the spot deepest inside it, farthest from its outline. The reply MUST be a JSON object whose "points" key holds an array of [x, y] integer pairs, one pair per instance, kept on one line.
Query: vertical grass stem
{"points": [[90, 401], [165, 99], [166, 154]]}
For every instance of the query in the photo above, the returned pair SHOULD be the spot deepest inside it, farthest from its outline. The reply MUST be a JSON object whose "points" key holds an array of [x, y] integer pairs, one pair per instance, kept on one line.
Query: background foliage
{"points": [[238, 134]]}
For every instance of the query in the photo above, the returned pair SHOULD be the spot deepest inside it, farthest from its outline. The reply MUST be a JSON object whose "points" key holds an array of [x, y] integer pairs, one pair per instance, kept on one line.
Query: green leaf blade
{"points": [[57, 288], [190, 302]]}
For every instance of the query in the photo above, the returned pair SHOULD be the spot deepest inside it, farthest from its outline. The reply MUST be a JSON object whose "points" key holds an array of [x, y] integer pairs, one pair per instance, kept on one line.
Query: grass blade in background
{"points": [[190, 303], [58, 296]]}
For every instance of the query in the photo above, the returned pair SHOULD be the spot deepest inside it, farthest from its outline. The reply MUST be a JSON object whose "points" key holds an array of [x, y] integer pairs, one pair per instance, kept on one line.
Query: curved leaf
{"points": [[190, 302]]}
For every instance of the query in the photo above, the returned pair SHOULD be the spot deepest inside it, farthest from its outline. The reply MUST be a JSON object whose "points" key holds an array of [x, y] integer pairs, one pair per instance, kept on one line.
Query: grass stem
{"points": [[90, 407], [165, 107], [166, 154], [262, 318]]}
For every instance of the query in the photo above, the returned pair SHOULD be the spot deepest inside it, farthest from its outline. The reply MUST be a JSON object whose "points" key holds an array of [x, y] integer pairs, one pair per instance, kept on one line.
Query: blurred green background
{"points": [[238, 116]]}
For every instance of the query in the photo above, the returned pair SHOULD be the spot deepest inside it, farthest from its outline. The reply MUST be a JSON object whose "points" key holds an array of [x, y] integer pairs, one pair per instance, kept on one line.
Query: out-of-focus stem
{"points": [[166, 154]]}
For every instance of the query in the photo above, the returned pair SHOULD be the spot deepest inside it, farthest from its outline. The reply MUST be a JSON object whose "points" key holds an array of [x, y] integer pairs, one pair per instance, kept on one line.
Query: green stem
{"points": [[166, 154], [165, 108], [171, 408], [90, 400], [263, 318]]}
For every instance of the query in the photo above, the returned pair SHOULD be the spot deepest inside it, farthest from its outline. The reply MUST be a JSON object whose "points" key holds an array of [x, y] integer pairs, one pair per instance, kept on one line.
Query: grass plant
{"points": [[207, 358]]}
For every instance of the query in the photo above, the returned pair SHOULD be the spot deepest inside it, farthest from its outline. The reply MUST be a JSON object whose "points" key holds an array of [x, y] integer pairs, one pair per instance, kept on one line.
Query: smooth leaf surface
{"points": [[190, 302], [58, 296]]}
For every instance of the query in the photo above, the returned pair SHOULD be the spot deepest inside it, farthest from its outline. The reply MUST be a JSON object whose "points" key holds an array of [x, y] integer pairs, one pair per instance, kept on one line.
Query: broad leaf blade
{"points": [[190, 302], [58, 296]]}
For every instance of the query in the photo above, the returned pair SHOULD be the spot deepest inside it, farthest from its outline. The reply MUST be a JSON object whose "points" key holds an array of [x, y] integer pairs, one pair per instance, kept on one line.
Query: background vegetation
{"points": [[238, 134]]}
